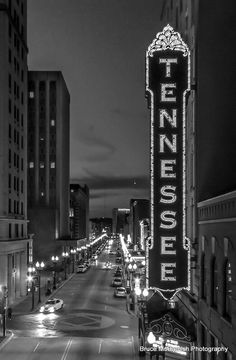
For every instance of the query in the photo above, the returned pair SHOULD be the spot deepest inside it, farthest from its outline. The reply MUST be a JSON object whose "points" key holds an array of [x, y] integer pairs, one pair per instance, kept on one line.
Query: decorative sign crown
{"points": [[168, 39]]}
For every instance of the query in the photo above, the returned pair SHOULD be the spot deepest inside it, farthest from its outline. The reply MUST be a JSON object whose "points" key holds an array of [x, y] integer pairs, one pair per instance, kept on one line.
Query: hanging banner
{"points": [[167, 82]]}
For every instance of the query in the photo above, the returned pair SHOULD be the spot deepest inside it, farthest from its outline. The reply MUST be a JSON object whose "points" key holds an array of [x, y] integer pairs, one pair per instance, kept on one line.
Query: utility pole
{"points": [[4, 310]]}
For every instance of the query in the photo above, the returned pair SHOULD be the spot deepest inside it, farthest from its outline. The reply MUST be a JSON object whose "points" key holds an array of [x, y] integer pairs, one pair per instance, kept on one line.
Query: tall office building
{"points": [[15, 246], [120, 221], [79, 212], [139, 210], [208, 28], [48, 161]]}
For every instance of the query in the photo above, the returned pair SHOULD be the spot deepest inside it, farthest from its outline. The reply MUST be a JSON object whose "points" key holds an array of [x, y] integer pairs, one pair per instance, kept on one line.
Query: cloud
{"points": [[97, 182]]}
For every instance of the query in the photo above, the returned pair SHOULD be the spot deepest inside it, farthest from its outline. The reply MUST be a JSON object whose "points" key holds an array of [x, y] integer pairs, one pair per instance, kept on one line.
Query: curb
{"points": [[5, 341], [128, 310]]}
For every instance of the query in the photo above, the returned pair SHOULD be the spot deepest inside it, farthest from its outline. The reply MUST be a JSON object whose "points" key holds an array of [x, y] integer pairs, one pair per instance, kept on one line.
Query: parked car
{"points": [[116, 282], [120, 292], [52, 305], [107, 266], [81, 268]]}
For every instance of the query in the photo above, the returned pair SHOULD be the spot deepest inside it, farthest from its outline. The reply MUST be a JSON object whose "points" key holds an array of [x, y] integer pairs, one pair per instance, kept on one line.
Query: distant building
{"points": [[79, 212], [48, 161], [15, 246], [120, 223], [99, 225], [139, 210]]}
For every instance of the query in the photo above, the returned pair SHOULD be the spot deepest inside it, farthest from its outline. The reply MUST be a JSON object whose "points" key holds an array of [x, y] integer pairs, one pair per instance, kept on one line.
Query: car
{"points": [[120, 292], [51, 305], [107, 266], [81, 268], [116, 282], [112, 252], [117, 275], [118, 260]]}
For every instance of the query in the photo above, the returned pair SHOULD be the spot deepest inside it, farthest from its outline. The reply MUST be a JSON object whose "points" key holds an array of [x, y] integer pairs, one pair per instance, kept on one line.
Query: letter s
{"points": [[169, 192], [172, 222]]}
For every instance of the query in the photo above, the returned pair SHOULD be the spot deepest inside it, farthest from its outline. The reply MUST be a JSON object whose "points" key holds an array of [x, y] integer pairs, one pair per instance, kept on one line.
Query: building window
{"points": [[31, 165], [203, 277], [9, 106], [9, 231], [31, 94], [214, 282], [53, 165], [9, 156], [9, 56], [227, 290], [9, 131], [42, 193], [9, 206], [52, 122], [22, 230], [17, 230], [41, 165]]}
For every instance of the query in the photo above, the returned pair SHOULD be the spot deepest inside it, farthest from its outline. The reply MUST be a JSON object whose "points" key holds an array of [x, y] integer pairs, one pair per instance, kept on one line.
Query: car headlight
{"points": [[42, 309], [51, 309]]}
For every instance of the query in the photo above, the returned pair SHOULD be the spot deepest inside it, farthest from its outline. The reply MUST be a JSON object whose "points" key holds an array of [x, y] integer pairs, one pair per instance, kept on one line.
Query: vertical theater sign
{"points": [[167, 83]]}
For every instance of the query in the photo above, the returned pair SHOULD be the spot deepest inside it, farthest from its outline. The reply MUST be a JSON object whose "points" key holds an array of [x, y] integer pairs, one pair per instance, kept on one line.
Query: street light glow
{"points": [[151, 338]]}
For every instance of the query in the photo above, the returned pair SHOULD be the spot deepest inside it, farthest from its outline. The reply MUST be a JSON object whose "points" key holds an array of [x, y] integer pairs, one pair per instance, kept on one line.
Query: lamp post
{"points": [[30, 278], [65, 256], [39, 267], [73, 252], [4, 296], [54, 260], [132, 268]]}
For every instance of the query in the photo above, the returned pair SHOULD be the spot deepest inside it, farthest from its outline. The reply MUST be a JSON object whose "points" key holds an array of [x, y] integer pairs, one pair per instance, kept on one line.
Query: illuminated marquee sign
{"points": [[167, 82]]}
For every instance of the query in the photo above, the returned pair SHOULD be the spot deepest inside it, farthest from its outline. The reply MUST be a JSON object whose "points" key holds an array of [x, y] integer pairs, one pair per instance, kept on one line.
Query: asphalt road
{"points": [[92, 324]]}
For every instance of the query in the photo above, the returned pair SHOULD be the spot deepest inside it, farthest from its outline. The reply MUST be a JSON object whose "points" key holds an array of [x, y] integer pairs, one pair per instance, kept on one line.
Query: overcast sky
{"points": [[99, 45]]}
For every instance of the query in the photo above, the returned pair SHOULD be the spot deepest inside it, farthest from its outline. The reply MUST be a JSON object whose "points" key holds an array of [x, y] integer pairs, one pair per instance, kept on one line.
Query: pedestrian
{"points": [[9, 313]]}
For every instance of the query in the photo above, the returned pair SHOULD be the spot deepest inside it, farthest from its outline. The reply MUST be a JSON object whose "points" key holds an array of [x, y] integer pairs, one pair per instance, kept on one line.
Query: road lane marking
{"points": [[133, 347], [64, 356], [100, 347], [36, 346]]}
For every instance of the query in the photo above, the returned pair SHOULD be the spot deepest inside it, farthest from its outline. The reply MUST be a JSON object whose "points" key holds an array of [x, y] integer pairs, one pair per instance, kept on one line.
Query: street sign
{"points": [[167, 83]]}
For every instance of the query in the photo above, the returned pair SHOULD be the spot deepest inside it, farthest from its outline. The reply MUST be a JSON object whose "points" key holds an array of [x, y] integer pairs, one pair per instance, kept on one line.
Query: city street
{"points": [[92, 324]]}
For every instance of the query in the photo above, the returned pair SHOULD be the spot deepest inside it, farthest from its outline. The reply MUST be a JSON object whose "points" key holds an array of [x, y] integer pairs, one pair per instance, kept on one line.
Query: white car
{"points": [[107, 266], [52, 305], [81, 268], [116, 282], [120, 292]]}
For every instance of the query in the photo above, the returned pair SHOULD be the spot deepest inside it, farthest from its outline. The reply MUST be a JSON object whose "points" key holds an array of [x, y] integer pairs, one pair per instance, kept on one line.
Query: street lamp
{"points": [[39, 267], [54, 260], [73, 252], [65, 256], [30, 278]]}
